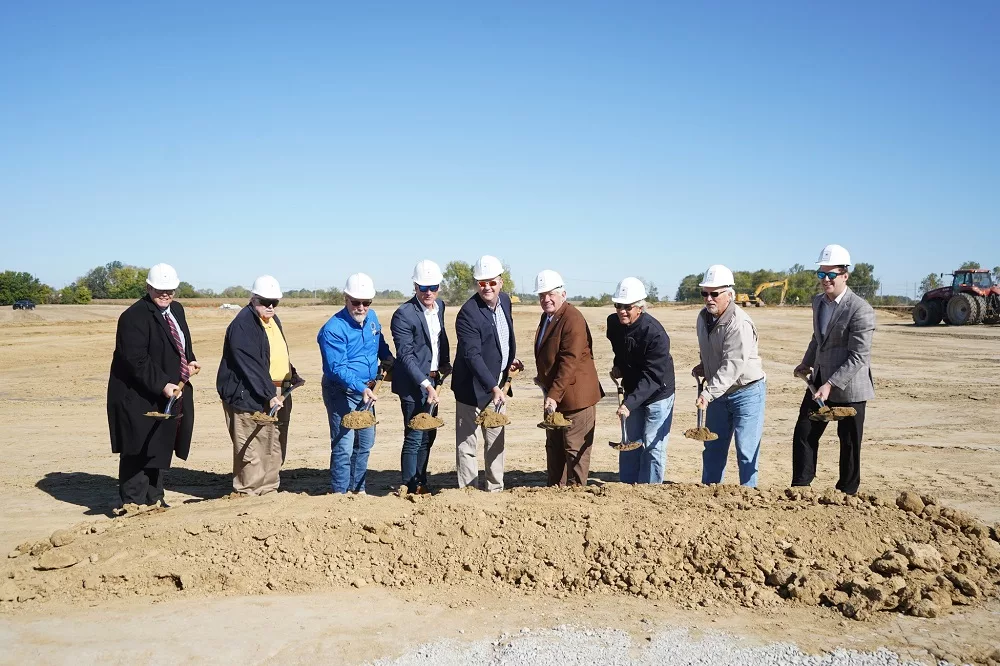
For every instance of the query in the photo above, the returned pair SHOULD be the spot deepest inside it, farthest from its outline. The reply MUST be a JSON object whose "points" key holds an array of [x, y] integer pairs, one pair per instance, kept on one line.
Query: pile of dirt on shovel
{"points": [[424, 421], [688, 544], [492, 419], [555, 420], [357, 420], [701, 434]]}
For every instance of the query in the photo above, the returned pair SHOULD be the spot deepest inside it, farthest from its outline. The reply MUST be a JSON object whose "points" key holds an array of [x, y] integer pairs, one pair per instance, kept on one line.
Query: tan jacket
{"points": [[728, 351], [565, 360]]}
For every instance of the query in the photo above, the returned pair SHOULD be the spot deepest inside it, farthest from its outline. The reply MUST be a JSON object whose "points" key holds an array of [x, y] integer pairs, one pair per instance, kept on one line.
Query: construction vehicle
{"points": [[972, 298], [756, 300]]}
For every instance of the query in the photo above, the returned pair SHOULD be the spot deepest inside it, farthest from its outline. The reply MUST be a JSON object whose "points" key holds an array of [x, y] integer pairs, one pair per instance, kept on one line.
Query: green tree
{"points": [[331, 296], [457, 285], [996, 273], [591, 302], [862, 280], [688, 290], [81, 295], [652, 292], [15, 286], [126, 281], [390, 295], [185, 290], [236, 291], [930, 282], [969, 264]]}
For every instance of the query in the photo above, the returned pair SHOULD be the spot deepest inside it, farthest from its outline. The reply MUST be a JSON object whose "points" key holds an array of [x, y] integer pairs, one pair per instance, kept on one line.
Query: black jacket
{"points": [[412, 338], [477, 359], [145, 361], [244, 378], [642, 354]]}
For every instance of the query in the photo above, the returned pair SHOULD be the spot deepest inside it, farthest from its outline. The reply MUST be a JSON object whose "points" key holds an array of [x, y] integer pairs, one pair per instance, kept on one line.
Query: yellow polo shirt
{"points": [[281, 367]]}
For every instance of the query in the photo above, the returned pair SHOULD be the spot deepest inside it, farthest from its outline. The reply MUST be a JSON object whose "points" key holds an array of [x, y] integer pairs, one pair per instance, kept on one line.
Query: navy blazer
{"points": [[412, 338], [477, 360]]}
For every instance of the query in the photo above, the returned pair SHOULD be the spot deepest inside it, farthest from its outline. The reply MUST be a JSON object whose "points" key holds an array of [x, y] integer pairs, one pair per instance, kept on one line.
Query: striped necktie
{"points": [[185, 373]]}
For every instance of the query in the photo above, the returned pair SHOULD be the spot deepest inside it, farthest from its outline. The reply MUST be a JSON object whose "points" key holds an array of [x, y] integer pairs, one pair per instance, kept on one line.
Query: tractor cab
{"points": [[981, 280]]}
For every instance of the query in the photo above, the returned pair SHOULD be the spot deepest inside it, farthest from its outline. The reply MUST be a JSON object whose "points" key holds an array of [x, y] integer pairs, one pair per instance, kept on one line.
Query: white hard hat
{"points": [[487, 267], [426, 273], [629, 290], [548, 280], [834, 255], [162, 276], [266, 286], [360, 285], [718, 275]]}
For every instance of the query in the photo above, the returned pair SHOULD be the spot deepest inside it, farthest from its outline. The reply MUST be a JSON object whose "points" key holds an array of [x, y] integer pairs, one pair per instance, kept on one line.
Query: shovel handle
{"points": [[274, 410], [812, 389]]}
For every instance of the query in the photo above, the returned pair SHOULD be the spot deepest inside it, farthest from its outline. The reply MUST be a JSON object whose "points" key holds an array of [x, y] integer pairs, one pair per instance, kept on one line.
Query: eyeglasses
{"points": [[491, 283], [268, 302], [365, 303], [624, 308], [829, 275], [713, 294], [424, 288], [163, 292]]}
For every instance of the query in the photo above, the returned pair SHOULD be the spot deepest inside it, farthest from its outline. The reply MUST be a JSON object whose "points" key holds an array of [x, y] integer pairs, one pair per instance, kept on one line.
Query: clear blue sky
{"points": [[601, 139]]}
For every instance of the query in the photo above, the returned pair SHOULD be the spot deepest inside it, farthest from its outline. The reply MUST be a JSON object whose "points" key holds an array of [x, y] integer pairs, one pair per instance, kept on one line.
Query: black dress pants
{"points": [[805, 445], [138, 483]]}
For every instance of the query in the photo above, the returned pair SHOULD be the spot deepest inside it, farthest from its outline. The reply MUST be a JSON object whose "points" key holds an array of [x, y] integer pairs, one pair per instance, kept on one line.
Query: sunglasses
{"points": [[424, 288], [268, 302], [163, 292], [829, 275], [623, 307], [713, 294], [491, 283], [365, 303]]}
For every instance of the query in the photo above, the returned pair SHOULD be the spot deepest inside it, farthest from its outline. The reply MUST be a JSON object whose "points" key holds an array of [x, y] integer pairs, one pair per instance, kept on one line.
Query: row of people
{"points": [[153, 356]]}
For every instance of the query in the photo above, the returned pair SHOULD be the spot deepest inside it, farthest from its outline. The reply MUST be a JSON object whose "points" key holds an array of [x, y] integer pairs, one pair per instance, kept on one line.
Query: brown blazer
{"points": [[565, 360]]}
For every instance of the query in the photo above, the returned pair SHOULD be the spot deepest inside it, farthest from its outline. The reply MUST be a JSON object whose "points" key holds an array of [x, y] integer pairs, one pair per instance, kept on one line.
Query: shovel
{"points": [[167, 413], [271, 416], [623, 445], [552, 420], [825, 413], [495, 419], [701, 433], [360, 419], [428, 420]]}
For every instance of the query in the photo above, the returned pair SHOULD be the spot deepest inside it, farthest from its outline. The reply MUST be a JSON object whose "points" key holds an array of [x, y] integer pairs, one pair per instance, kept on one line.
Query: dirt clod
{"points": [[358, 420], [492, 419], [61, 538], [424, 421], [55, 559], [555, 420], [701, 434]]}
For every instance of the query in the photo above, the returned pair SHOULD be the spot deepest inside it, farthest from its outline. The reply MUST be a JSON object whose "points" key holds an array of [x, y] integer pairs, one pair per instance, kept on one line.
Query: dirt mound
{"points": [[694, 545], [492, 419], [555, 420], [357, 420], [424, 421], [701, 434]]}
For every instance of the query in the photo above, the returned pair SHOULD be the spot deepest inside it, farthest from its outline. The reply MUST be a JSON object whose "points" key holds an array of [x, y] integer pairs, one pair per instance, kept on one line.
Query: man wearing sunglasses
{"points": [[485, 356], [839, 360], [424, 359], [735, 386], [564, 357], [643, 362], [253, 375], [351, 345]]}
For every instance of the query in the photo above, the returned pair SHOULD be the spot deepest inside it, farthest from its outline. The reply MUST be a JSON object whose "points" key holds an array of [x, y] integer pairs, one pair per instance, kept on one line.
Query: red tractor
{"points": [[972, 298]]}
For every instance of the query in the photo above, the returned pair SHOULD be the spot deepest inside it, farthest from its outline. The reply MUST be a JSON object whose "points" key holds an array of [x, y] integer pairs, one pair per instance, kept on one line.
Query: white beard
{"points": [[360, 318]]}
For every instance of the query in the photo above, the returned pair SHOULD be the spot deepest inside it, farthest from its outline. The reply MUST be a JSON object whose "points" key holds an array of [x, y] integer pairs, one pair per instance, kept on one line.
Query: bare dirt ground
{"points": [[302, 575]]}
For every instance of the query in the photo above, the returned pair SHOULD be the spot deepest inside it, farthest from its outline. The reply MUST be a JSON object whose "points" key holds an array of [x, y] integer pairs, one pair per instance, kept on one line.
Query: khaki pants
{"points": [[258, 449], [466, 458], [567, 452]]}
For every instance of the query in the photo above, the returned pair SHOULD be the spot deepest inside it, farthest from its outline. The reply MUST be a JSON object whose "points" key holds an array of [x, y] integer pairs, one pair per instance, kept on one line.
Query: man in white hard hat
{"points": [[645, 367], [423, 360], [735, 387], [254, 374], [153, 357], [351, 345], [839, 360], [567, 375], [486, 355]]}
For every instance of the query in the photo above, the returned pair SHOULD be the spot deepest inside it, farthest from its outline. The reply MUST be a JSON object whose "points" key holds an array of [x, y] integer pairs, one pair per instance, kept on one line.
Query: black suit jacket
{"points": [[412, 338], [478, 359], [146, 360]]}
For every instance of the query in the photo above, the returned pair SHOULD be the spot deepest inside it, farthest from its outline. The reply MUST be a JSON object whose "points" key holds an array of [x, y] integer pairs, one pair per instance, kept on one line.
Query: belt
{"points": [[279, 383]]}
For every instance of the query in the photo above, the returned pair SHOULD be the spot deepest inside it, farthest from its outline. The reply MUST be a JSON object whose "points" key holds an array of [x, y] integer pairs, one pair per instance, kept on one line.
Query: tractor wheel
{"points": [[980, 309], [962, 309], [937, 311], [922, 313], [991, 315]]}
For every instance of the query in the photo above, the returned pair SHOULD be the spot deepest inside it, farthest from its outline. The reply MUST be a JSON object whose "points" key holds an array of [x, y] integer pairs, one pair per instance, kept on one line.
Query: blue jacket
{"points": [[477, 359], [351, 351], [412, 338], [244, 378]]}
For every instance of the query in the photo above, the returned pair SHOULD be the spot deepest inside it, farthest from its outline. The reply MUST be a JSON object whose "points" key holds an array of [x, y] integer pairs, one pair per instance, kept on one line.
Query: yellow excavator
{"points": [[756, 300]]}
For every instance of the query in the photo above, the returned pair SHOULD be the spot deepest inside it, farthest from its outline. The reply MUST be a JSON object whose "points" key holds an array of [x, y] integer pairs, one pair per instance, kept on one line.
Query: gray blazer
{"points": [[843, 356]]}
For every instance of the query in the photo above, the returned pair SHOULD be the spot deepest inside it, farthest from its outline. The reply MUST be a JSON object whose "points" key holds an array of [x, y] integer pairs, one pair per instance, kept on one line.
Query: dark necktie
{"points": [[185, 373]]}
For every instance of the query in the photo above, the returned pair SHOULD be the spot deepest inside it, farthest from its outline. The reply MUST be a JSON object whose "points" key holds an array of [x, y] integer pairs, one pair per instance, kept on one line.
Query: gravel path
{"points": [[565, 645]]}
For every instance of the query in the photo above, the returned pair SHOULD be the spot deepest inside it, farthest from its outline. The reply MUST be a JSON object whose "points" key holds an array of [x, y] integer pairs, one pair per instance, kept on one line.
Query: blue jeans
{"points": [[416, 446], [651, 426], [349, 449], [740, 413]]}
